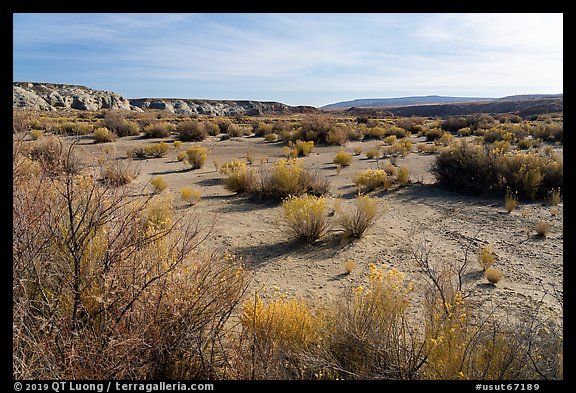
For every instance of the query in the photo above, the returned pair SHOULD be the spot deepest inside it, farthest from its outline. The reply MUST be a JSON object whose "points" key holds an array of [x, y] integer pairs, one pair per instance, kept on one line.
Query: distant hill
{"points": [[530, 97], [520, 105], [402, 101]]}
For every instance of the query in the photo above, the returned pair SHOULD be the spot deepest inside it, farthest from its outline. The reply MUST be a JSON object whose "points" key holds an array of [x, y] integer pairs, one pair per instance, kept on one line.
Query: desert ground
{"points": [[449, 223]]}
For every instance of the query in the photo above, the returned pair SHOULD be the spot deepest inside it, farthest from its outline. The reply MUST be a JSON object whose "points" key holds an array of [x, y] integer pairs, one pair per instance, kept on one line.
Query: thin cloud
{"points": [[372, 54]]}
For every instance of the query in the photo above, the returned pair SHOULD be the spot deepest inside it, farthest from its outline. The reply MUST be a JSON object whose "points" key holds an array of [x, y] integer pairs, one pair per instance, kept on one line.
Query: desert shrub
{"points": [[281, 126], [305, 216], [158, 184], [444, 140], [371, 179], [356, 221], [117, 173], [156, 150], [428, 148], [494, 134], [316, 127], [190, 195], [238, 177], [493, 275], [342, 158], [370, 154], [398, 132], [389, 168], [525, 143], [263, 129], [73, 128], [119, 125], [403, 175], [103, 288], [433, 134], [159, 129], [403, 147], [412, 124], [182, 155], [289, 177], [102, 280], [486, 257], [390, 140], [542, 228], [103, 135], [211, 128], [555, 132], [510, 200], [271, 137], [136, 152], [366, 332], [500, 147], [374, 132], [286, 322], [357, 150], [454, 123], [223, 123], [464, 131], [191, 131], [554, 197], [55, 156], [475, 169], [197, 156], [304, 148], [235, 130], [349, 265], [338, 134], [35, 134]]}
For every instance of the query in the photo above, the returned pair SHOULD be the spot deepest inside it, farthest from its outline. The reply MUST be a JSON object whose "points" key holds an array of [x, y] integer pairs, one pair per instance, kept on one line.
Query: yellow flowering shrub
{"points": [[371, 179], [306, 216], [239, 178]]}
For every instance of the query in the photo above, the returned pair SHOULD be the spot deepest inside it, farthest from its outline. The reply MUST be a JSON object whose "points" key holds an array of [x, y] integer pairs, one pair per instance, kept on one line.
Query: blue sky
{"points": [[294, 58]]}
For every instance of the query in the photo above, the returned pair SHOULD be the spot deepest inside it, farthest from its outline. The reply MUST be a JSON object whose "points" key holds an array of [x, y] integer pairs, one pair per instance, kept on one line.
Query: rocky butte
{"points": [[52, 96]]}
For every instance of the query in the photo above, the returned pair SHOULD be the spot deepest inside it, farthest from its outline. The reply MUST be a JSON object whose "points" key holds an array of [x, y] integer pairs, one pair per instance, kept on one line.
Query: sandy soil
{"points": [[449, 221]]}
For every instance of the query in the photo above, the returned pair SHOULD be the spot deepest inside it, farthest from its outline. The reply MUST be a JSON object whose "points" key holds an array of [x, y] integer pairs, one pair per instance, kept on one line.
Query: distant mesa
{"points": [[523, 105], [54, 96], [401, 101]]}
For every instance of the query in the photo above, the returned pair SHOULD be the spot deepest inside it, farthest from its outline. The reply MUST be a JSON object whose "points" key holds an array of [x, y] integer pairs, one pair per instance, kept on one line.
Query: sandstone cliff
{"points": [[51, 96]]}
